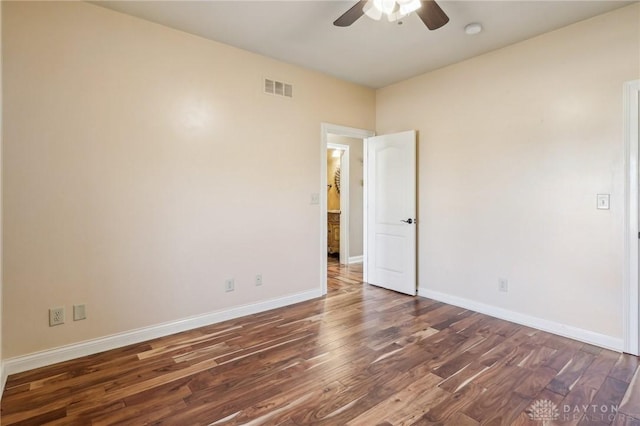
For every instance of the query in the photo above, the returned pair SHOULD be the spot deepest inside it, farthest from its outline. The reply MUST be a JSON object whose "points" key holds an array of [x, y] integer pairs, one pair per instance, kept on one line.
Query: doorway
{"points": [[339, 201], [340, 136]]}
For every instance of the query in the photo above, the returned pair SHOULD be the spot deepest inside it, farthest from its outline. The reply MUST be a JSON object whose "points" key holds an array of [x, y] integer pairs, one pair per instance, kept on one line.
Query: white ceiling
{"points": [[371, 53]]}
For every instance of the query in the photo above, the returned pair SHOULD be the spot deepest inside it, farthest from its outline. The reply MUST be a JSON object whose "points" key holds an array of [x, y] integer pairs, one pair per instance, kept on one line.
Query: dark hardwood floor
{"points": [[361, 356]]}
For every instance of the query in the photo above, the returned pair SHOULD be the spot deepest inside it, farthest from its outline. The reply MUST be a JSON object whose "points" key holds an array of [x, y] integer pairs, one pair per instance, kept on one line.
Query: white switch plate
{"points": [[79, 312], [603, 201], [503, 285], [229, 285], [315, 198]]}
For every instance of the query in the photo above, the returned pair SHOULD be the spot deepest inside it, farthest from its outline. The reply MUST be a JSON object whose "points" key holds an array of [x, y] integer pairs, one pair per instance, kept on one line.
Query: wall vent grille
{"points": [[278, 88]]}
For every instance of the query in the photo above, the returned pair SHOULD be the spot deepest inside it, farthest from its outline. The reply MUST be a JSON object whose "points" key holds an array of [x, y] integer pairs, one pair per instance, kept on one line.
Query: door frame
{"points": [[325, 130], [345, 211], [631, 284]]}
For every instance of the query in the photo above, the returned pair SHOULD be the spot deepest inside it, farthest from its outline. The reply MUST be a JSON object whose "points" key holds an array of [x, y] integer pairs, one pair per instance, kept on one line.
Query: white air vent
{"points": [[278, 88]]}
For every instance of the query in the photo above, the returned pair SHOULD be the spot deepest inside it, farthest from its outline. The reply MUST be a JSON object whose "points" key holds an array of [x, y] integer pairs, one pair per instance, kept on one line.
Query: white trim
{"points": [[3, 371], [630, 291], [3, 377], [89, 347], [365, 206], [325, 130], [560, 329], [355, 259], [344, 201]]}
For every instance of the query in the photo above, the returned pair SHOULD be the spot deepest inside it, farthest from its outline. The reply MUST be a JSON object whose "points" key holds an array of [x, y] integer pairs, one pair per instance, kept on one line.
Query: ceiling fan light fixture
{"points": [[408, 6], [395, 16], [385, 6], [431, 15], [371, 11], [393, 9]]}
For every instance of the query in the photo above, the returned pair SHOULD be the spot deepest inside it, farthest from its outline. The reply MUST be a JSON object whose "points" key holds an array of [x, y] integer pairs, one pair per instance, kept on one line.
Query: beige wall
{"points": [[143, 166], [514, 146], [355, 191]]}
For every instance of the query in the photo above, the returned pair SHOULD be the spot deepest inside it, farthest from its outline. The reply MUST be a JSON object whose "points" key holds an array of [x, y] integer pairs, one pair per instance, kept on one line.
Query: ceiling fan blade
{"points": [[351, 15], [432, 15]]}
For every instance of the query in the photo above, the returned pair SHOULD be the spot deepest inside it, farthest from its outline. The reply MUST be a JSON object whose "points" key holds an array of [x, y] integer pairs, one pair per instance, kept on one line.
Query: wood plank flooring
{"points": [[360, 356]]}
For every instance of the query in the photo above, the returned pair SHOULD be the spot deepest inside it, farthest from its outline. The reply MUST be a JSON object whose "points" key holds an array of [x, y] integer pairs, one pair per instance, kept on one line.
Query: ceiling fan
{"points": [[428, 11]]}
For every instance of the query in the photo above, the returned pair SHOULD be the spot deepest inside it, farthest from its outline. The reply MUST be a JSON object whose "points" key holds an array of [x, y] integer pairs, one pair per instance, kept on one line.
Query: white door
{"points": [[391, 211]]}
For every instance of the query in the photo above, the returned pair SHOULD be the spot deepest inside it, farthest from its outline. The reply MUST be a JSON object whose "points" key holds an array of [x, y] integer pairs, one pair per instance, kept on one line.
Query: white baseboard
{"points": [[3, 378], [356, 259], [64, 353], [560, 329]]}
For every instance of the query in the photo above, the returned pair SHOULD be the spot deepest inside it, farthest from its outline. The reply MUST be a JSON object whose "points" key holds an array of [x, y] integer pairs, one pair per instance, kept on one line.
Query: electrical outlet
{"points": [[503, 285], [258, 279], [79, 312], [56, 316], [229, 285]]}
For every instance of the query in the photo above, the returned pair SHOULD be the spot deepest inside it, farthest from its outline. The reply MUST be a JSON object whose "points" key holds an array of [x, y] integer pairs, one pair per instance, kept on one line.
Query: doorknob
{"points": [[409, 221]]}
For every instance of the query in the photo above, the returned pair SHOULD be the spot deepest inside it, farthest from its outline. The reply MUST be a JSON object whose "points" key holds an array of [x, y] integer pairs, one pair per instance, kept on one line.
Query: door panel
{"points": [[391, 198]]}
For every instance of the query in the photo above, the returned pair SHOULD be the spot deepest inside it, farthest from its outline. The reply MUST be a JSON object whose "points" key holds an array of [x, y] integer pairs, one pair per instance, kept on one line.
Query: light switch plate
{"points": [[315, 198], [79, 312], [603, 201]]}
